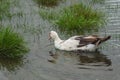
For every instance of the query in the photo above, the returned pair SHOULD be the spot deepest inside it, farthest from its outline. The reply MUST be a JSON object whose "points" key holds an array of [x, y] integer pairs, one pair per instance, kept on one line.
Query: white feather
{"points": [[69, 44]]}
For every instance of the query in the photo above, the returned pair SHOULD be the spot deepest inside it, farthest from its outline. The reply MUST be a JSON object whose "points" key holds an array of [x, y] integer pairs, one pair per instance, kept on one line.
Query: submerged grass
{"points": [[4, 9], [98, 1], [12, 45], [48, 3], [48, 14]]}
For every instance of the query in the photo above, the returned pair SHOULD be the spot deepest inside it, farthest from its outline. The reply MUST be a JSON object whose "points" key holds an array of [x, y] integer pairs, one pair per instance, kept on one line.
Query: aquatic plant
{"points": [[98, 1], [47, 3], [80, 18], [76, 18], [12, 45], [48, 14], [11, 64], [4, 9]]}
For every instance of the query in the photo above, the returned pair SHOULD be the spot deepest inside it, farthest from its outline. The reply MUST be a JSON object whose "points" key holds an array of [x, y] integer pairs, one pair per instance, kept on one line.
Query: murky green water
{"points": [[40, 64]]}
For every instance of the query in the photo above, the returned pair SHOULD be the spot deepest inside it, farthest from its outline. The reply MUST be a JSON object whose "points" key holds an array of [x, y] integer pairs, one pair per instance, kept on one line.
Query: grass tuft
{"points": [[80, 18], [12, 45], [77, 18]]}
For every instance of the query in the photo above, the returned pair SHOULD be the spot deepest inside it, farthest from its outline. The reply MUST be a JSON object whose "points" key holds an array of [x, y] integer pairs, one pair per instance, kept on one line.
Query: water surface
{"points": [[44, 62]]}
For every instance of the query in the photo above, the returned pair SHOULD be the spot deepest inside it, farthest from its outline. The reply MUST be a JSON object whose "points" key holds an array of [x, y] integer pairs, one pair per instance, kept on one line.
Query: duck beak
{"points": [[49, 37]]}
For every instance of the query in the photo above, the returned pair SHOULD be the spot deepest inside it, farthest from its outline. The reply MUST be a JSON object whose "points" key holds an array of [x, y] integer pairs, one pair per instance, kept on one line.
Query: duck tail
{"points": [[101, 40]]}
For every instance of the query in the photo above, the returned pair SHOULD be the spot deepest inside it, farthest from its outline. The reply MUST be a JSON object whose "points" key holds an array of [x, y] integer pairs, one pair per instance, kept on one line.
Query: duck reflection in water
{"points": [[82, 58]]}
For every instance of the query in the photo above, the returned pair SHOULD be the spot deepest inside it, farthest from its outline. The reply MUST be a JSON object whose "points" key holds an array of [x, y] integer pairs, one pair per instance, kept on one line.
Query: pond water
{"points": [[40, 64]]}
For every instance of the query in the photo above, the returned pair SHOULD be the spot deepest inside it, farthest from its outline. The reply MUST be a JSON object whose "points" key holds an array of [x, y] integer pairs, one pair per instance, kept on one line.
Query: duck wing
{"points": [[83, 41], [93, 39]]}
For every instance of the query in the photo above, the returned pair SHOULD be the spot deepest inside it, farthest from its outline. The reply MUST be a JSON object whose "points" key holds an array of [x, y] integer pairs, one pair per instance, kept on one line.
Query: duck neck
{"points": [[57, 39]]}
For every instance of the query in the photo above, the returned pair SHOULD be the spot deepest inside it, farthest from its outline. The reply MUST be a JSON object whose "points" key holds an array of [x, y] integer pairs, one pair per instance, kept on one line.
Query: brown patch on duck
{"points": [[93, 39], [103, 40]]}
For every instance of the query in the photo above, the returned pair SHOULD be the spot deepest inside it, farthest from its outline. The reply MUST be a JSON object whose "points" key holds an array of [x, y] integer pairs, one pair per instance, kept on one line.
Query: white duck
{"points": [[83, 43]]}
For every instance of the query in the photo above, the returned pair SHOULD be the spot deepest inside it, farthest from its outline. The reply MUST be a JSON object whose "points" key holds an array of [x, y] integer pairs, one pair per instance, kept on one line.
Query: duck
{"points": [[82, 43]]}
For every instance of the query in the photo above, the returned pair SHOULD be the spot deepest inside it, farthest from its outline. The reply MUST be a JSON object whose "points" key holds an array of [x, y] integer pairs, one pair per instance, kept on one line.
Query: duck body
{"points": [[83, 43], [72, 44]]}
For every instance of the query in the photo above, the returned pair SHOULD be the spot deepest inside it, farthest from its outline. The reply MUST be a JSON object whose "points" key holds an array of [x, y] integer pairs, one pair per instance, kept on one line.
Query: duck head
{"points": [[53, 35]]}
